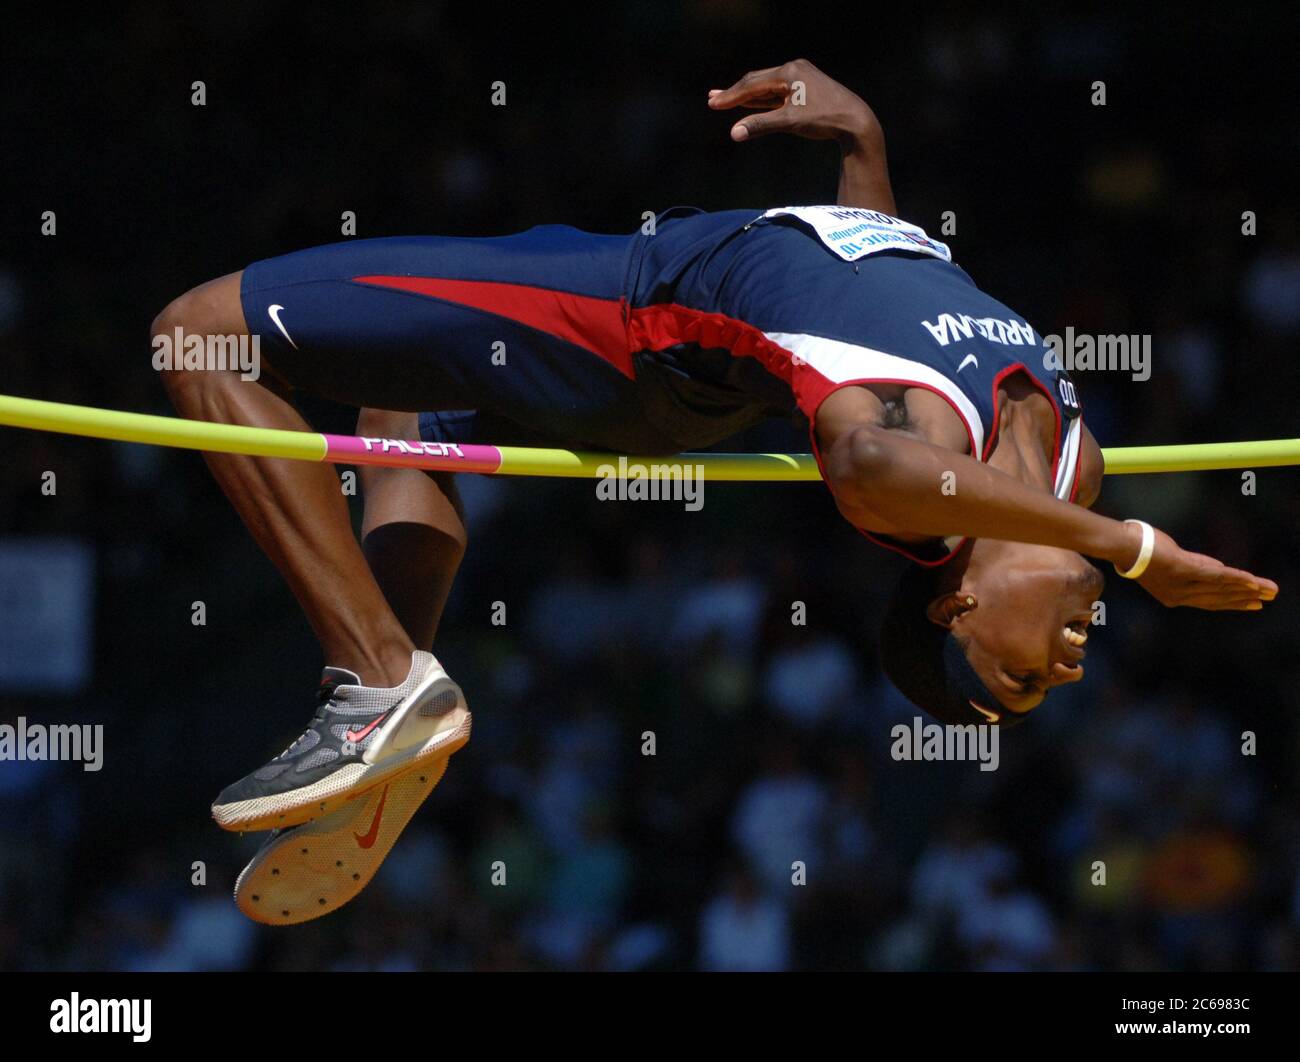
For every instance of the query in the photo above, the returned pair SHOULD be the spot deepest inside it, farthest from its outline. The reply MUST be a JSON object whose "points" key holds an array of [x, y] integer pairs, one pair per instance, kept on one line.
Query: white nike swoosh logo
{"points": [[964, 361], [992, 717], [274, 312]]}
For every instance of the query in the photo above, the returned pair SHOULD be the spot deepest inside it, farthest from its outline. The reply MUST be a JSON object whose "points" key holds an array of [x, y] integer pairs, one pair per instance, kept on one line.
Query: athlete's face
{"points": [[1024, 612]]}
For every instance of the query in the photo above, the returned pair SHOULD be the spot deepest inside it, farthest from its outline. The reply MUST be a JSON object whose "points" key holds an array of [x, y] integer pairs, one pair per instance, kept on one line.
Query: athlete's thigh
{"points": [[530, 326]]}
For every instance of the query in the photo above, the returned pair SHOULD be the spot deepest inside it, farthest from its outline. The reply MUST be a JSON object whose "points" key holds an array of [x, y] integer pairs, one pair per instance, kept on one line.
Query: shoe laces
{"points": [[324, 696]]}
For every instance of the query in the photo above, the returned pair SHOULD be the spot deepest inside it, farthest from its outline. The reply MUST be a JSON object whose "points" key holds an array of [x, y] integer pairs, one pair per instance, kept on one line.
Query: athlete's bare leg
{"points": [[295, 509], [414, 537], [413, 531]]}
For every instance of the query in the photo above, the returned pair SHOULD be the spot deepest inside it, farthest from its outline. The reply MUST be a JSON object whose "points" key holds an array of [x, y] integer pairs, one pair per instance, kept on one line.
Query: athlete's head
{"points": [[984, 637]]}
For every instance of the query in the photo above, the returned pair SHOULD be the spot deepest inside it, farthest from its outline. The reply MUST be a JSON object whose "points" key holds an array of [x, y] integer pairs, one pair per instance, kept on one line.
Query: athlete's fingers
{"points": [[1226, 586], [762, 124], [757, 103], [752, 78], [1234, 600], [1199, 601], [1219, 605], [752, 103], [1219, 600], [1265, 588], [1234, 577], [764, 85], [1199, 581], [1215, 573]]}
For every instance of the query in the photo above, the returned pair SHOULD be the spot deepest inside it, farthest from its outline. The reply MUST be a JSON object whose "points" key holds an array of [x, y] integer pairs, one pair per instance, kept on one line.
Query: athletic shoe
{"points": [[360, 736], [308, 871]]}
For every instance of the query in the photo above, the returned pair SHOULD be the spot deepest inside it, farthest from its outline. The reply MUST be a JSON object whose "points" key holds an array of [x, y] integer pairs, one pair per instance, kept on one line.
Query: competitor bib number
{"points": [[853, 233]]}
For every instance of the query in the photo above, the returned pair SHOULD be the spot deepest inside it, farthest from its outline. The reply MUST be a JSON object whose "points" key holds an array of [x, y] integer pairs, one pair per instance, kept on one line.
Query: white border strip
{"points": [[1069, 458], [842, 362]]}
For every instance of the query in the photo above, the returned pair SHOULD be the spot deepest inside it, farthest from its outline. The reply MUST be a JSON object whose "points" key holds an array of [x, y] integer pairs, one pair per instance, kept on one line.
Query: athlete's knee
{"points": [[180, 318], [212, 308], [198, 340], [387, 424]]}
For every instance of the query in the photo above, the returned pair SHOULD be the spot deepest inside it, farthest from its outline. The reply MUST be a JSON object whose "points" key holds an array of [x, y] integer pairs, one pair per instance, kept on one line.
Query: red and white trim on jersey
{"points": [[838, 364], [820, 367], [1068, 464]]}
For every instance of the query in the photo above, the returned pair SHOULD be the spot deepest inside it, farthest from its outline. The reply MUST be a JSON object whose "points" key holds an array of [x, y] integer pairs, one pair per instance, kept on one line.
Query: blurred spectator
{"points": [[741, 930]]}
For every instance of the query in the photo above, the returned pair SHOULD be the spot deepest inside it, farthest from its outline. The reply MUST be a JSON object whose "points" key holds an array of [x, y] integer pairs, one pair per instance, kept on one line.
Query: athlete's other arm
{"points": [[891, 484], [798, 98]]}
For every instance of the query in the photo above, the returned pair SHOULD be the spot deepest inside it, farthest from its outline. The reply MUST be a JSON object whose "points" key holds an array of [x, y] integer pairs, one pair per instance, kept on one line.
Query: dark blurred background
{"points": [[624, 617]]}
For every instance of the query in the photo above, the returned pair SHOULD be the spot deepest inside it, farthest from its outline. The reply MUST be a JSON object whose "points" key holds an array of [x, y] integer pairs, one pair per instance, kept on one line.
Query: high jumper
{"points": [[936, 421]]}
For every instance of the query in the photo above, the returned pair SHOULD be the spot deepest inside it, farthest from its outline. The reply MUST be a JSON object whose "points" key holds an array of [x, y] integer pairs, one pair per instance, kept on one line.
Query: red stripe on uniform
{"points": [[667, 324], [585, 321]]}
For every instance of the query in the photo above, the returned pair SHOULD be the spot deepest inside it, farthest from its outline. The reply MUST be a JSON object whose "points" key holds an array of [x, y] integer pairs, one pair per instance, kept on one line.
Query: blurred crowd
{"points": [[675, 774]]}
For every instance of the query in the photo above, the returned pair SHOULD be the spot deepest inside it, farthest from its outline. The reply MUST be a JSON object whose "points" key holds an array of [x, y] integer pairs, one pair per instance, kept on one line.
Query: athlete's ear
{"points": [[943, 610]]}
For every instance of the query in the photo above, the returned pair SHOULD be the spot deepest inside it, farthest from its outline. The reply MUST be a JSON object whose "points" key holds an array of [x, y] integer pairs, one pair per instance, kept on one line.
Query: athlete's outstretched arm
{"points": [[798, 98], [891, 484]]}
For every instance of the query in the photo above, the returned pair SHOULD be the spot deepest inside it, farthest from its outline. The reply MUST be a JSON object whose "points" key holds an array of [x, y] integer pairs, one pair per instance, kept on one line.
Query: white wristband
{"points": [[1144, 554]]}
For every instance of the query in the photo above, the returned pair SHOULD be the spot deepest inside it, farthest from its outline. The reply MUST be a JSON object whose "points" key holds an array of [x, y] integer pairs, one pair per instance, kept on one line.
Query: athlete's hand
{"points": [[796, 98], [1176, 577]]}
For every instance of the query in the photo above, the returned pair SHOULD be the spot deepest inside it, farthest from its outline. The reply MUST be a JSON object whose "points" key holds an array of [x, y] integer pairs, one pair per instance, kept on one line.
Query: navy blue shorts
{"points": [[516, 340]]}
